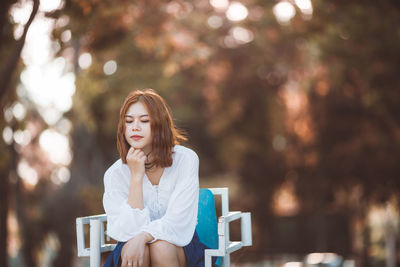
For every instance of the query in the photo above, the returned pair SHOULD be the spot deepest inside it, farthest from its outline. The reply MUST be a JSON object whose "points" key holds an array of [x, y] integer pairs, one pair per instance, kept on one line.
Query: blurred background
{"points": [[294, 105]]}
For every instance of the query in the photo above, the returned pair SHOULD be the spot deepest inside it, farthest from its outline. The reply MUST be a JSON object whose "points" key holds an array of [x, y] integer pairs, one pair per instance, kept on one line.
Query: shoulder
{"points": [[114, 170], [185, 154], [186, 166]]}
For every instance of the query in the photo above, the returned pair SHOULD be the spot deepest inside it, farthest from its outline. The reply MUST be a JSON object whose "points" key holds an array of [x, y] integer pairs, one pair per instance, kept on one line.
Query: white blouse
{"points": [[170, 208]]}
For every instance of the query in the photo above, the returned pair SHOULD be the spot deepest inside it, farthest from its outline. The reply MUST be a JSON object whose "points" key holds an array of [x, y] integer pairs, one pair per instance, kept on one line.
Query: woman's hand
{"points": [[136, 159], [133, 252]]}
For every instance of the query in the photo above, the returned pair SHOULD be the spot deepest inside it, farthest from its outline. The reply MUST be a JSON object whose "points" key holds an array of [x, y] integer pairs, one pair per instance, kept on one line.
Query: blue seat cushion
{"points": [[207, 225], [207, 228]]}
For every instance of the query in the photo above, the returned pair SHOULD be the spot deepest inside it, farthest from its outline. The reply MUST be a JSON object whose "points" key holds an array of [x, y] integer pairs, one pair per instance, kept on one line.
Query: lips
{"points": [[136, 137]]}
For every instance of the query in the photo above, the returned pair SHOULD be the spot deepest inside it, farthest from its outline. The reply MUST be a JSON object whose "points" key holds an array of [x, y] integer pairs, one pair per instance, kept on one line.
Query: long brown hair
{"points": [[164, 132]]}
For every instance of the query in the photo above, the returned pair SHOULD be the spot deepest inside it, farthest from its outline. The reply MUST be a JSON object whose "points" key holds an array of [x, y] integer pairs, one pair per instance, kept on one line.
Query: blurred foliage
{"points": [[343, 61], [10, 192], [313, 104]]}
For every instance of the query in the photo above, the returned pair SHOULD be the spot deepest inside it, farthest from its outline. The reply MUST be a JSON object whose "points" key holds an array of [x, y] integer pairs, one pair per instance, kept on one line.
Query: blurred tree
{"points": [[312, 102], [223, 96], [8, 81], [6, 37], [354, 108]]}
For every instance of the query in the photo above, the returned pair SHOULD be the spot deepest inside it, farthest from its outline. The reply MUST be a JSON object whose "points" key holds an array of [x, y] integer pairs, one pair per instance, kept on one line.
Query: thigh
{"points": [[163, 253], [181, 256], [146, 260]]}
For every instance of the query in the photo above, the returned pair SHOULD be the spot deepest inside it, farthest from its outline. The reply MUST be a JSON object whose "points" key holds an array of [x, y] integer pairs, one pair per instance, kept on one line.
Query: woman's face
{"points": [[137, 127]]}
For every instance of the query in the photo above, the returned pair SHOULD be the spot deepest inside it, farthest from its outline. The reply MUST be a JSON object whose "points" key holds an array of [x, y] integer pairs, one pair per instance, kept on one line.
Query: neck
{"points": [[149, 165], [146, 150]]}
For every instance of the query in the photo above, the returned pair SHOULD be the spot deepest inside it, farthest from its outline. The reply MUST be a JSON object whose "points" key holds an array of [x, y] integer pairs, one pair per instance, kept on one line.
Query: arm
{"points": [[178, 224], [133, 251], [135, 159], [125, 212], [123, 221]]}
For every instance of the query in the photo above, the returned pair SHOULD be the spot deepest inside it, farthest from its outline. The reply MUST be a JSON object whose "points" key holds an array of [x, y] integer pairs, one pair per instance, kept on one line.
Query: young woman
{"points": [[151, 192]]}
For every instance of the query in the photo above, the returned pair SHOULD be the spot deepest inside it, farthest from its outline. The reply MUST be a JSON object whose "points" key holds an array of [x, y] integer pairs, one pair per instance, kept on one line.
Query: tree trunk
{"points": [[11, 64], [390, 237], [5, 78], [366, 237], [4, 7], [4, 186]]}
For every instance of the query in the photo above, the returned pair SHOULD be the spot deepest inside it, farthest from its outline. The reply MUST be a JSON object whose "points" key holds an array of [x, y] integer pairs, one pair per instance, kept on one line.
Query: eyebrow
{"points": [[141, 116]]}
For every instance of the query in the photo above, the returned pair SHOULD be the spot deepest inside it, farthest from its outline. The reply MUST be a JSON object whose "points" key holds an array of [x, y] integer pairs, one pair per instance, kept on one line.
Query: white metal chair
{"points": [[225, 246]]}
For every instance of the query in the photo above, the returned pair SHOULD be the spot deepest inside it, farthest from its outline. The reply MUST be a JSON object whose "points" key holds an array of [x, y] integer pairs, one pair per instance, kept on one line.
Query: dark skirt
{"points": [[194, 253]]}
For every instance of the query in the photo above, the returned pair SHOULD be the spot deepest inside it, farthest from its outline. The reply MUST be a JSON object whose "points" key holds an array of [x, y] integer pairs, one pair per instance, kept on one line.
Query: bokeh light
{"points": [[305, 7], [293, 264], [64, 126], [62, 21], [39, 47], [315, 258], [22, 138], [7, 135], [110, 67], [19, 111], [27, 173], [20, 14], [50, 5], [242, 35], [60, 176], [56, 146], [284, 11], [8, 114], [236, 11], [219, 5], [85, 60], [215, 22], [66, 36], [50, 88], [279, 143]]}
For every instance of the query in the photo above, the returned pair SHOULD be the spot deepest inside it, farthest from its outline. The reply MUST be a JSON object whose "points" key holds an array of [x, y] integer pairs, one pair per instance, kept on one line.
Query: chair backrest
{"points": [[207, 227]]}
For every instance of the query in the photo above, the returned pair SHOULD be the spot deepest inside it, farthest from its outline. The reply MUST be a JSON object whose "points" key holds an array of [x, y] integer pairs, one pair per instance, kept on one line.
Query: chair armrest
{"points": [[245, 226], [96, 223], [225, 246]]}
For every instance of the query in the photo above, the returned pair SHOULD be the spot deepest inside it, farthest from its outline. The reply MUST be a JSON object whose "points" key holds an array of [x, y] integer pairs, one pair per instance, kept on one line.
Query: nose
{"points": [[135, 125]]}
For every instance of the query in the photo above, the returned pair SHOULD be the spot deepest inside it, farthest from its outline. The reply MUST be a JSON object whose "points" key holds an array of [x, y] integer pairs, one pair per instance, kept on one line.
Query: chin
{"points": [[137, 146]]}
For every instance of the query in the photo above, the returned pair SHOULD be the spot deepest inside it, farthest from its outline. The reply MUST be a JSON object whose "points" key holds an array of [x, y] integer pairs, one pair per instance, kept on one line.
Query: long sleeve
{"points": [[178, 224], [124, 222]]}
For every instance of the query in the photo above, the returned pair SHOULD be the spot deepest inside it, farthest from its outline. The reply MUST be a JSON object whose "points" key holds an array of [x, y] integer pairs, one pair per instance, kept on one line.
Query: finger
{"points": [[142, 155], [131, 263], [130, 153], [133, 152], [138, 151], [123, 263], [138, 154]]}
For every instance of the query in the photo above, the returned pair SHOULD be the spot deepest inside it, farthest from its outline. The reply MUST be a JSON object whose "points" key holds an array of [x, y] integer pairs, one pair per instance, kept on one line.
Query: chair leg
{"points": [[227, 260], [95, 243]]}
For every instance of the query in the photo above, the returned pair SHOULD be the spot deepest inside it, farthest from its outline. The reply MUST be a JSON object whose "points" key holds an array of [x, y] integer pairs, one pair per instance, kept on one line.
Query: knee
{"points": [[162, 252]]}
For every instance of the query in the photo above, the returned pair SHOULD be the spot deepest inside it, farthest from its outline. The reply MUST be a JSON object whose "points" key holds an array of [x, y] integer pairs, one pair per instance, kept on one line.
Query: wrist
{"points": [[136, 178], [147, 237]]}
